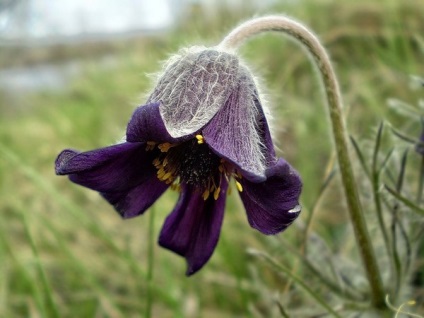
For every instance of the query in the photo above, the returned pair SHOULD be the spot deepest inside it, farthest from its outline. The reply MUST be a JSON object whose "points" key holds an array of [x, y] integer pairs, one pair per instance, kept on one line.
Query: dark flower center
{"points": [[195, 163], [192, 162]]}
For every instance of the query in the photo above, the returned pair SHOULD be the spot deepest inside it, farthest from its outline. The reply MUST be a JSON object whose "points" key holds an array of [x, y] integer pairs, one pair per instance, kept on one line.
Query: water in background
{"points": [[40, 23], [46, 21]]}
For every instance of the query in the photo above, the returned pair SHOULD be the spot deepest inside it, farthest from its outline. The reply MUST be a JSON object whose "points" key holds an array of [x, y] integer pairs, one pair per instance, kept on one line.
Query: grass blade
{"points": [[150, 263], [50, 305]]}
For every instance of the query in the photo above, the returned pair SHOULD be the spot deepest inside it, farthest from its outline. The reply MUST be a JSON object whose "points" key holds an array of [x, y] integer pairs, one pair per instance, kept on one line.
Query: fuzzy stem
{"points": [[334, 101]]}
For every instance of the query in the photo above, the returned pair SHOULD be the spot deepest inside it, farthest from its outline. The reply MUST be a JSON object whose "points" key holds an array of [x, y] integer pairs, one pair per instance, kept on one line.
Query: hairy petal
{"points": [[272, 205], [192, 229], [122, 173], [239, 131], [193, 89]]}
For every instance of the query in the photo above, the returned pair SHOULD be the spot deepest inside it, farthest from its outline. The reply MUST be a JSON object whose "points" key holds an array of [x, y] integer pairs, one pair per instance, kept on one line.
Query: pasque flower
{"points": [[202, 127]]}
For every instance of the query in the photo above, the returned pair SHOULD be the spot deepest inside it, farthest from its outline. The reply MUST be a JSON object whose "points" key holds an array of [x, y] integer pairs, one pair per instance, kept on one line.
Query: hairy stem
{"points": [[322, 61]]}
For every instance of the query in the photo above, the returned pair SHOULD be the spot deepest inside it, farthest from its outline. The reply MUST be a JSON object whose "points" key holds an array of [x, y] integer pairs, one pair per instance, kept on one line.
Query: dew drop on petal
{"points": [[296, 209]]}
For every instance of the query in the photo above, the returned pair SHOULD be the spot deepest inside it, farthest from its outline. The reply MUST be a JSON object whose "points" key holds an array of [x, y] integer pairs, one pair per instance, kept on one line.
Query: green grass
{"points": [[64, 252]]}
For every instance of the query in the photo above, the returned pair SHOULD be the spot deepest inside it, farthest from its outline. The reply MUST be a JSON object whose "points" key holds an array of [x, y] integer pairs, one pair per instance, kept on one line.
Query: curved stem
{"points": [[309, 41]]}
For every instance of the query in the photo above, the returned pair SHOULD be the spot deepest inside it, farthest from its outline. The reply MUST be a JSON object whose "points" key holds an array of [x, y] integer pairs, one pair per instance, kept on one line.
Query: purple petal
{"points": [[273, 205], [193, 88], [192, 229], [239, 131], [146, 124], [123, 174]]}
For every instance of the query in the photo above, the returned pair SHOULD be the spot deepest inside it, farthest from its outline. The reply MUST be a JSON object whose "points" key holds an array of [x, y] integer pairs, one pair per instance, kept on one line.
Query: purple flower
{"points": [[203, 126]]}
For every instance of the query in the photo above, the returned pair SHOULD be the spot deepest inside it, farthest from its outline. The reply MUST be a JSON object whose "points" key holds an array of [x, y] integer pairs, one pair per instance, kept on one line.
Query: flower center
{"points": [[194, 163], [191, 162]]}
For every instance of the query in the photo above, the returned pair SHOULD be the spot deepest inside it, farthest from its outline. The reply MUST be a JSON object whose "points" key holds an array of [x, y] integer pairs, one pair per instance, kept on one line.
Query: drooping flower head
{"points": [[202, 127]]}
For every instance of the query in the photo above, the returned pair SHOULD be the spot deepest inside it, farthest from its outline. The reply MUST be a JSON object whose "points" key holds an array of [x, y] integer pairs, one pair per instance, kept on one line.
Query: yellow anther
{"points": [[216, 193], [165, 161], [200, 139], [239, 186], [150, 145], [205, 194], [167, 176], [160, 173], [156, 162], [165, 147]]}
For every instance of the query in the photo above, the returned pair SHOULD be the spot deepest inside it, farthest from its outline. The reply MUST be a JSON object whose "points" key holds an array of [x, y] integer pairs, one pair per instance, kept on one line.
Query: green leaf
{"points": [[280, 268], [405, 201], [360, 156], [403, 108], [408, 139]]}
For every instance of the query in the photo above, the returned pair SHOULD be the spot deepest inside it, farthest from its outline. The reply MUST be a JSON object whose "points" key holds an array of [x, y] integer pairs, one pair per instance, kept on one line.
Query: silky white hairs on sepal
{"points": [[237, 130], [204, 88], [195, 84]]}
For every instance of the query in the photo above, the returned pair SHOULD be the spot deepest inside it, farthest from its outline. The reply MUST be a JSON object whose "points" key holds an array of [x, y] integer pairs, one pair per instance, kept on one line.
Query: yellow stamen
{"points": [[206, 194], [239, 186], [150, 145], [167, 176], [200, 139], [156, 162], [216, 193], [160, 173], [165, 161], [165, 147]]}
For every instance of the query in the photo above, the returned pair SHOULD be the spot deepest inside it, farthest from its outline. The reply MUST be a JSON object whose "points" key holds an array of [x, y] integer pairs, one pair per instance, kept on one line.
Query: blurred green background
{"points": [[64, 250]]}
